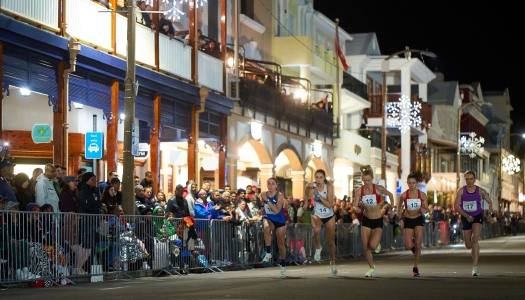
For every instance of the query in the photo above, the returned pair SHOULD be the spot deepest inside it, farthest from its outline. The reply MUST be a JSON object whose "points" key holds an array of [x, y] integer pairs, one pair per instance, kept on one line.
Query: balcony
{"points": [[355, 86], [263, 99], [91, 23], [322, 62], [354, 95]]}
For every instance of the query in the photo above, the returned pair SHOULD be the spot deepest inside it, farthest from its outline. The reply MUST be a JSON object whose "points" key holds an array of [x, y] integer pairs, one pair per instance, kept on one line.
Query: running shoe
{"points": [[371, 272], [475, 271], [317, 255], [267, 257], [378, 249], [3, 288], [415, 272], [283, 271], [334, 271]]}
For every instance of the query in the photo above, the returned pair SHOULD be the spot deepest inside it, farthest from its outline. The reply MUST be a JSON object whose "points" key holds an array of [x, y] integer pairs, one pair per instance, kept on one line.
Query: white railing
{"points": [[210, 71], [86, 22], [144, 41], [174, 57], [44, 12]]}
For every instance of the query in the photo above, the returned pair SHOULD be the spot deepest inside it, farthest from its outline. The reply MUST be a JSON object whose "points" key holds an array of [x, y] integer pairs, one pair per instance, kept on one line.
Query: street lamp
{"points": [[385, 68], [508, 135]]}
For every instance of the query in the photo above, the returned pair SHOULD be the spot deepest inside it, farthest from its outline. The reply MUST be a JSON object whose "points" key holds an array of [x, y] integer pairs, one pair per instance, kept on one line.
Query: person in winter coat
{"points": [[88, 199]]}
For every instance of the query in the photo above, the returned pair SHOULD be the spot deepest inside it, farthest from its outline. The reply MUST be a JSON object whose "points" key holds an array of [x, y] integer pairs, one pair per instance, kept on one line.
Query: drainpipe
{"points": [[74, 48], [203, 93]]}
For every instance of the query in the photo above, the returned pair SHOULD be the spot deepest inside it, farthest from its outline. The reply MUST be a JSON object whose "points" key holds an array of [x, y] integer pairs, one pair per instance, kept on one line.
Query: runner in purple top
{"points": [[468, 205]]}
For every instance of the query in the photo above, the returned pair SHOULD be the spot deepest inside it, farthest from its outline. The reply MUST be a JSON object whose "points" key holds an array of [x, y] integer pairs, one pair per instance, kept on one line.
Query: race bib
{"points": [[413, 204], [470, 206], [369, 200], [268, 209]]}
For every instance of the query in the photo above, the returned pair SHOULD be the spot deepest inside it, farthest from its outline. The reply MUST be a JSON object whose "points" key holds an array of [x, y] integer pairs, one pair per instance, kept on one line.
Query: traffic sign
{"points": [[94, 146], [41, 133]]}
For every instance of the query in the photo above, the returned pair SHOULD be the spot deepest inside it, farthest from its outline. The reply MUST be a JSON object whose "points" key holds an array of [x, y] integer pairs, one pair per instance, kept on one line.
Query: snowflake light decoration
{"points": [[403, 114], [511, 164], [472, 145], [174, 13]]}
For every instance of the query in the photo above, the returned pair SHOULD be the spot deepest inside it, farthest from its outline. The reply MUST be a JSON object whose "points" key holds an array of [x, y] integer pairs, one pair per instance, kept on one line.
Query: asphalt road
{"points": [[445, 274]]}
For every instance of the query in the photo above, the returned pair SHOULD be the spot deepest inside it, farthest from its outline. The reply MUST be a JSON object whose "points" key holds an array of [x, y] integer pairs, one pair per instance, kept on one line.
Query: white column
{"points": [[297, 184], [405, 137], [266, 171]]}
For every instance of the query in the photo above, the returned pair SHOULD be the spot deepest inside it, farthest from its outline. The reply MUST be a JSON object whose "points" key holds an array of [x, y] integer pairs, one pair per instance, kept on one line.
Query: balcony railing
{"points": [[91, 23], [375, 139], [355, 86], [269, 101]]}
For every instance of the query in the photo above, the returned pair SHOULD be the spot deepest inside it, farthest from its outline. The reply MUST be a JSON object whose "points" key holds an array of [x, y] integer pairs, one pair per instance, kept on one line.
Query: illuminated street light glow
{"points": [[511, 164], [472, 145], [404, 113]]}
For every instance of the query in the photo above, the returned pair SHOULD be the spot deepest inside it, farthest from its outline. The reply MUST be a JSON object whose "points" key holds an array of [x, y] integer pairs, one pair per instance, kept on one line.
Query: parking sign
{"points": [[94, 146]]}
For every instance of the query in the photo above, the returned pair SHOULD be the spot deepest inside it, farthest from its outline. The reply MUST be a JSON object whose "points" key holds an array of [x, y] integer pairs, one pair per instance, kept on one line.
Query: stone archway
{"points": [[262, 153], [296, 166]]}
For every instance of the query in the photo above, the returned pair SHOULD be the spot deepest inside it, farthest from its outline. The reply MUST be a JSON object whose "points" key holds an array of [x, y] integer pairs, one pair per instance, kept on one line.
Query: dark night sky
{"points": [[473, 41]]}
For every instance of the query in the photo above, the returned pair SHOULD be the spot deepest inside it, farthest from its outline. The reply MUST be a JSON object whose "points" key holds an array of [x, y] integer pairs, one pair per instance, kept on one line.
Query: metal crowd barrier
{"points": [[55, 249]]}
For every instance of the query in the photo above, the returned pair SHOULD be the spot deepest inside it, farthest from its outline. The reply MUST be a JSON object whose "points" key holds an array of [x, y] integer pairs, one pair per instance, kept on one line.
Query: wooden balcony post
{"points": [[113, 34], [154, 145], [155, 20], [61, 20], [58, 118], [112, 136], [193, 43]]}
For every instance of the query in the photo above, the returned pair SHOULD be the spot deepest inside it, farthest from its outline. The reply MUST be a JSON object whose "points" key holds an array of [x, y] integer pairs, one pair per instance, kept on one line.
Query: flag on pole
{"points": [[340, 53]]}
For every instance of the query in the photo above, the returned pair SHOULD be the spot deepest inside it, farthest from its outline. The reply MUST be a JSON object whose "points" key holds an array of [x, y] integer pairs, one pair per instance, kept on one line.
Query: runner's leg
{"points": [[408, 234], [330, 238], [418, 236], [476, 230], [366, 233], [316, 226]]}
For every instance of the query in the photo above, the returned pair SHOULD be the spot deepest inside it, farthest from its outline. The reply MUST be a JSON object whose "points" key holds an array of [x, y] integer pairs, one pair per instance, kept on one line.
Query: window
{"points": [[247, 8]]}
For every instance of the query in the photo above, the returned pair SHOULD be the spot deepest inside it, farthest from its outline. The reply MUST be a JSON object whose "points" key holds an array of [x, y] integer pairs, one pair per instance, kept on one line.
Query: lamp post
{"points": [[385, 68], [508, 135], [458, 160]]}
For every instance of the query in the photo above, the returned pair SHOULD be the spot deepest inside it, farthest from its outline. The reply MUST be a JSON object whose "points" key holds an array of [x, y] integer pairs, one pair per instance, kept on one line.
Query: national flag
{"points": [[340, 53]]}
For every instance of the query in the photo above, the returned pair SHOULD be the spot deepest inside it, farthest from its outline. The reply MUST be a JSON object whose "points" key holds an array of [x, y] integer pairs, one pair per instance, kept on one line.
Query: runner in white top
{"points": [[323, 213]]}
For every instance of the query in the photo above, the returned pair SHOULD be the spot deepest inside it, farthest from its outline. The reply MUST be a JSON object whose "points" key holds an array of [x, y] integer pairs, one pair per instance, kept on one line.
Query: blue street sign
{"points": [[135, 139], [94, 146]]}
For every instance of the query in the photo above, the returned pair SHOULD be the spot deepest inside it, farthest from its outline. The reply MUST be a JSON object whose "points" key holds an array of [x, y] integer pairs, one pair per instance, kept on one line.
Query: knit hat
{"points": [[10, 205], [70, 178], [30, 206], [45, 207], [87, 176], [20, 178]]}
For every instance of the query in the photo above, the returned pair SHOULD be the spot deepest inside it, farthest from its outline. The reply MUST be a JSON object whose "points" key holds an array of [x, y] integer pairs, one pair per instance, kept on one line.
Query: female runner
{"points": [[274, 220], [412, 221], [368, 197], [471, 211], [323, 213]]}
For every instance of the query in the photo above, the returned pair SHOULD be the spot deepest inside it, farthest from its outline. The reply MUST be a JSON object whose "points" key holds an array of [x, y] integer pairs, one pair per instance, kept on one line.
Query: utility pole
{"points": [[128, 190]]}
